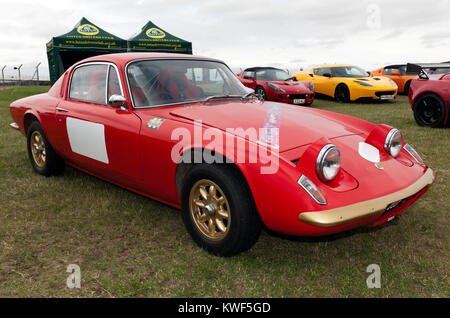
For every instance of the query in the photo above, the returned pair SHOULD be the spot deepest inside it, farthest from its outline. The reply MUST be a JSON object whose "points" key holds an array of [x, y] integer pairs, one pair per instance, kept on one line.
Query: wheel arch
{"points": [[429, 92], [28, 118], [260, 85], [346, 86], [407, 85], [426, 93], [186, 162]]}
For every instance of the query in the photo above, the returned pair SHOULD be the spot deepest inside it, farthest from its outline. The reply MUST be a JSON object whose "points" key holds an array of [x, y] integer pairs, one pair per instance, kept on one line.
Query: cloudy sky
{"points": [[290, 34]]}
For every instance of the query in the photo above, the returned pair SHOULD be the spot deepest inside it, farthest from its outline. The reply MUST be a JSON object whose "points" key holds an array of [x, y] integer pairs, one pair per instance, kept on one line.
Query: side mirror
{"points": [[327, 74], [395, 73], [293, 78], [250, 78], [116, 101]]}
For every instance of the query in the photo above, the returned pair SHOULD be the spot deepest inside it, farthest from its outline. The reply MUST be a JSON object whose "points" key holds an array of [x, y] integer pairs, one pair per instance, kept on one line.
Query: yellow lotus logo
{"points": [[155, 33], [379, 166], [87, 29]]}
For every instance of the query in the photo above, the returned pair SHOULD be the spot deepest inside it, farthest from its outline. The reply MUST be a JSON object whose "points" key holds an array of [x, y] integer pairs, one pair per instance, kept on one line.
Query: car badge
{"points": [[155, 122], [379, 166]]}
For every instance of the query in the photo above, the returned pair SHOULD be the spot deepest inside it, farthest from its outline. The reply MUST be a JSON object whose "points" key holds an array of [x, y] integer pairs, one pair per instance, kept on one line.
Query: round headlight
{"points": [[393, 142], [328, 163]]}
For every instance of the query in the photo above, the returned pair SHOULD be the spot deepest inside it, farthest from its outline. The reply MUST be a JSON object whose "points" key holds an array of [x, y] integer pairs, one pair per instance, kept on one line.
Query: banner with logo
{"points": [[86, 39], [154, 39]]}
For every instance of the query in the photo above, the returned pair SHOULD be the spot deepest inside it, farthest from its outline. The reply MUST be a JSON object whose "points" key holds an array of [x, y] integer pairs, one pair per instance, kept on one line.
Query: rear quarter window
{"points": [[57, 89]]}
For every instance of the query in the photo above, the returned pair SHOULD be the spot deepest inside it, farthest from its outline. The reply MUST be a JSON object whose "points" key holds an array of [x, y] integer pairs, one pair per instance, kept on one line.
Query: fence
{"points": [[20, 81], [8, 82]]}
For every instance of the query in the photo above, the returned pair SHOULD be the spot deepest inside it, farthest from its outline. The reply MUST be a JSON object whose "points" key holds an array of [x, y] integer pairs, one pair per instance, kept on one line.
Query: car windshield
{"points": [[437, 70], [348, 71], [163, 82], [271, 75]]}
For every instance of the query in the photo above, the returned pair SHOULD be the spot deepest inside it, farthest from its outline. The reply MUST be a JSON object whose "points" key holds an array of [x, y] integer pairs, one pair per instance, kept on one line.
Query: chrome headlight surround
{"points": [[328, 163], [312, 190], [413, 153], [393, 142]]}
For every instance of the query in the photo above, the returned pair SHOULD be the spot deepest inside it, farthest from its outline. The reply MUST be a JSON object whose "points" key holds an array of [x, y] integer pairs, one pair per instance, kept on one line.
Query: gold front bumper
{"points": [[345, 214]]}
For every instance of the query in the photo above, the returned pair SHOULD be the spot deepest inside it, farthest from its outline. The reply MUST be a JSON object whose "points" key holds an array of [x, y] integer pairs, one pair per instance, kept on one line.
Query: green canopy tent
{"points": [[85, 40], [154, 39]]}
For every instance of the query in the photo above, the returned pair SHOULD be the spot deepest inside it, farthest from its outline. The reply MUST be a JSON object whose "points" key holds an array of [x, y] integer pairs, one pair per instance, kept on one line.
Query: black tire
{"points": [[260, 93], [429, 110], [245, 226], [406, 88], [43, 160], [342, 94]]}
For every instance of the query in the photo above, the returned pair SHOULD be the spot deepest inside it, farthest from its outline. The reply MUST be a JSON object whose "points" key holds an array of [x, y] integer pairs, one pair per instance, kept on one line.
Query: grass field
{"points": [[128, 245]]}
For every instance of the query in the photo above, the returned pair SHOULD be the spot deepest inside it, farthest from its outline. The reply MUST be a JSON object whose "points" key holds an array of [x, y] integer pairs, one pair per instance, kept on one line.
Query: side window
{"points": [[248, 73], [387, 71], [259, 75], [113, 83], [88, 84], [321, 71]]}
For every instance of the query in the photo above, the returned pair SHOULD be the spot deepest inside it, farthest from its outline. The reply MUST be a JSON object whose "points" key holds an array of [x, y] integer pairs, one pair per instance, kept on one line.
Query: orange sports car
{"points": [[398, 74]]}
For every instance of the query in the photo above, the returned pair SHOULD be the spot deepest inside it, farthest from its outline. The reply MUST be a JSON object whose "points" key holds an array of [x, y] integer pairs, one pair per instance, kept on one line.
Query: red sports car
{"points": [[184, 131], [429, 95], [276, 85]]}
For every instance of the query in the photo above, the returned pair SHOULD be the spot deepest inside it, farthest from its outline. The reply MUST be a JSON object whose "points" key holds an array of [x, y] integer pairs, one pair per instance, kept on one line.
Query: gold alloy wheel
{"points": [[210, 210], [37, 145]]}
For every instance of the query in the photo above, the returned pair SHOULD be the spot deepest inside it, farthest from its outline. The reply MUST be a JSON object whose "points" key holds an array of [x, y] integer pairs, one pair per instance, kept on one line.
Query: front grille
{"points": [[385, 93], [297, 96]]}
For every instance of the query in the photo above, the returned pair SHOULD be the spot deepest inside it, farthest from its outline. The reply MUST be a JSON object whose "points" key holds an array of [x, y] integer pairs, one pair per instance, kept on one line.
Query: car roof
{"points": [[394, 65], [259, 68], [333, 65], [123, 58]]}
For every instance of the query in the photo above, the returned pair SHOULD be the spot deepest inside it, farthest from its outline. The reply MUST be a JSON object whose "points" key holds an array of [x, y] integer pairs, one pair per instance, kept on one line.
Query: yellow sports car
{"points": [[348, 83]]}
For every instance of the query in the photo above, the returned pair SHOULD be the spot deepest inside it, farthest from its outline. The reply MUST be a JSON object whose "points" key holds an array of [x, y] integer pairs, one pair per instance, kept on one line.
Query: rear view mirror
{"points": [[116, 101]]}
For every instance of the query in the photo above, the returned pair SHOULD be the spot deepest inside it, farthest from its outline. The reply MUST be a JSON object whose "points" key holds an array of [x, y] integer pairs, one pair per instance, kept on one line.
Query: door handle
{"points": [[62, 110]]}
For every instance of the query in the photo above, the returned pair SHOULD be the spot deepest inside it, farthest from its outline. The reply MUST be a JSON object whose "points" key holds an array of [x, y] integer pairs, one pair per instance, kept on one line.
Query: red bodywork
{"points": [[293, 90], [140, 158], [437, 84]]}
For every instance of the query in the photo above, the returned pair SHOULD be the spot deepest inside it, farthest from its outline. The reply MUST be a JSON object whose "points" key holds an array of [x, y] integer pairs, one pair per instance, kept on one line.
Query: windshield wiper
{"points": [[247, 95], [210, 98]]}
